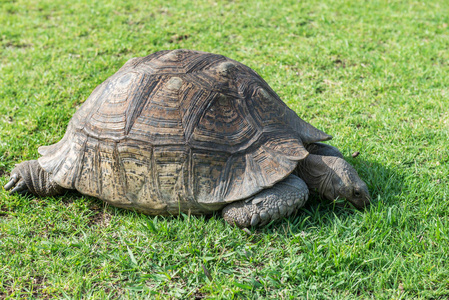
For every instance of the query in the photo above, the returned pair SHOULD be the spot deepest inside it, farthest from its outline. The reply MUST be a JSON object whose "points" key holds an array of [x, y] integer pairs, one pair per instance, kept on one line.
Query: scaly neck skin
{"points": [[333, 177], [316, 171]]}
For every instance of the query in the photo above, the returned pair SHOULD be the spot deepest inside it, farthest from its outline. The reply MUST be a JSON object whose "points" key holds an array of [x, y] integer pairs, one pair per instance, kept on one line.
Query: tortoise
{"points": [[193, 132]]}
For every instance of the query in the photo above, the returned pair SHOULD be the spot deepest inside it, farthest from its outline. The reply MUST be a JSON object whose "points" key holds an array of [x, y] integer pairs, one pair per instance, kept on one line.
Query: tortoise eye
{"points": [[357, 193]]}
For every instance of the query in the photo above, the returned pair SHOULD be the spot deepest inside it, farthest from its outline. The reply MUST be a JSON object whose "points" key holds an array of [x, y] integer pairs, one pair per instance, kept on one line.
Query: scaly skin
{"points": [[333, 178], [271, 204], [29, 177]]}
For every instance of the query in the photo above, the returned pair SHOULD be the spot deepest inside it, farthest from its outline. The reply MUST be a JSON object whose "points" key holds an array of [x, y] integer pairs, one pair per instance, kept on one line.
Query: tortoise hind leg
{"points": [[29, 177], [270, 204]]}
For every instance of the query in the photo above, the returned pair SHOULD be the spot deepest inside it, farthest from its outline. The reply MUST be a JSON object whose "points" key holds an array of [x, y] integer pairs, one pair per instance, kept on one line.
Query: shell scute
{"points": [[208, 169], [225, 124]]}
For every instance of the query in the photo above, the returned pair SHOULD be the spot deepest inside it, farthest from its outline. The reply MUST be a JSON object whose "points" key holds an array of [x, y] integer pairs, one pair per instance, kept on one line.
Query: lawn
{"points": [[374, 74]]}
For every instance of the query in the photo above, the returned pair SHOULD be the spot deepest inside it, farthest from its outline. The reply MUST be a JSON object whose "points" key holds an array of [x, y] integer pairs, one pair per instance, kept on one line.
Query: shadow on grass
{"points": [[2, 171]]}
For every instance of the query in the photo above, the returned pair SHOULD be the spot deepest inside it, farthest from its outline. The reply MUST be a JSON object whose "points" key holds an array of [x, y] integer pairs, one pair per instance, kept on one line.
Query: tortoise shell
{"points": [[179, 131]]}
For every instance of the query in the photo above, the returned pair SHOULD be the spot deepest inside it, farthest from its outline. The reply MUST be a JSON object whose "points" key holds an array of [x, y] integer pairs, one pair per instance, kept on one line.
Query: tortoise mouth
{"points": [[360, 203]]}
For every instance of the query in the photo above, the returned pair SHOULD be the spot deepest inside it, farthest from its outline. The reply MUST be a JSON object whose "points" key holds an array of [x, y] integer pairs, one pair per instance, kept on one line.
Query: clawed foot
{"points": [[269, 205], [16, 184], [29, 177]]}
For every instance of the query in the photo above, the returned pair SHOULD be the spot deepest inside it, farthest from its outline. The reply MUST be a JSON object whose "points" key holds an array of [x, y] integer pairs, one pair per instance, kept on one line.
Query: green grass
{"points": [[374, 74]]}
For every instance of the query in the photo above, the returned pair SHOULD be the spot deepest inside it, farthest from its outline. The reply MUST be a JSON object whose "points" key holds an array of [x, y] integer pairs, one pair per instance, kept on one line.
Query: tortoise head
{"points": [[344, 182], [334, 178]]}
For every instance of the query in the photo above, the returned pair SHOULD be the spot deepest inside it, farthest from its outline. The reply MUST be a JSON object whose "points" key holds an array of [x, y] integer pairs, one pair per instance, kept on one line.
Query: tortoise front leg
{"points": [[271, 204], [29, 177]]}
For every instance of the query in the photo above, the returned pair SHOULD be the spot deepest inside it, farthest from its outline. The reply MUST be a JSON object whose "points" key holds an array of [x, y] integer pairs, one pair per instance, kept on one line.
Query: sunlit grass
{"points": [[374, 74]]}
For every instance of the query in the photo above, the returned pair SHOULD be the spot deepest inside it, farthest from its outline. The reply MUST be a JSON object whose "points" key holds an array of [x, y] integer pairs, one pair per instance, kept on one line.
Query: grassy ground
{"points": [[374, 74]]}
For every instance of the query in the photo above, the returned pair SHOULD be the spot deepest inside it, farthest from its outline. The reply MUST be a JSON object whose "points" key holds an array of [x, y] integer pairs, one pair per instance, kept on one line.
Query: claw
{"points": [[21, 187], [12, 181], [255, 219]]}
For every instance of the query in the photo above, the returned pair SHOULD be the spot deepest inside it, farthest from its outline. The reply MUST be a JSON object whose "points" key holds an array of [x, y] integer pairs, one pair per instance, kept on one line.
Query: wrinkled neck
{"points": [[316, 171]]}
